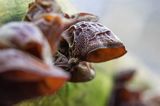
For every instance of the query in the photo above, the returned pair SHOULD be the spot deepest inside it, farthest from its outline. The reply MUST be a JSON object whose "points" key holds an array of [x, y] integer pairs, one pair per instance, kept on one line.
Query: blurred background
{"points": [[137, 24]]}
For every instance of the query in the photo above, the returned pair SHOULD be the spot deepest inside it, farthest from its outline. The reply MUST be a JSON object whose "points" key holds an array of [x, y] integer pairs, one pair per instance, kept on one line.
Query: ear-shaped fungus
{"points": [[23, 76], [47, 15], [52, 26], [121, 95], [26, 64], [40, 7], [19, 66], [27, 37], [82, 72], [93, 42], [124, 76]]}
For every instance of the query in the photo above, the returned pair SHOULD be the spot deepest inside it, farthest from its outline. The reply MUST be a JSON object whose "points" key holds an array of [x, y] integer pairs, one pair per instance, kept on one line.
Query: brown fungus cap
{"points": [[26, 64], [20, 72], [40, 7], [19, 66], [52, 26], [27, 37], [93, 42], [82, 72]]}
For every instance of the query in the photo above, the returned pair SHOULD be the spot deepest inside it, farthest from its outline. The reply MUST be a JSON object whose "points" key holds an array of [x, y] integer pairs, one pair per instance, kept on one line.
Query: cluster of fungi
{"points": [[123, 95], [50, 47]]}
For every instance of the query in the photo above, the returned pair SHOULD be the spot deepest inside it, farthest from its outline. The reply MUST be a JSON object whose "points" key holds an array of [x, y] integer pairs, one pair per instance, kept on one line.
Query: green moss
{"points": [[12, 10]]}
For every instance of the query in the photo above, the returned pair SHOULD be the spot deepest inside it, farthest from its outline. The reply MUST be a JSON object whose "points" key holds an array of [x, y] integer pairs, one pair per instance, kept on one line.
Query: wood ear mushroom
{"points": [[82, 72], [40, 7], [93, 42], [26, 63], [27, 37], [121, 94]]}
